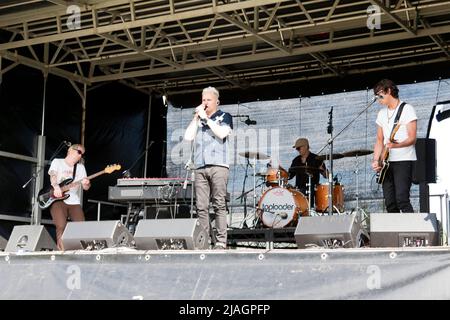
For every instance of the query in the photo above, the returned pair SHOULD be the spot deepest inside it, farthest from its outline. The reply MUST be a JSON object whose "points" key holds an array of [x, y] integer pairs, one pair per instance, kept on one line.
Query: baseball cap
{"points": [[301, 142]]}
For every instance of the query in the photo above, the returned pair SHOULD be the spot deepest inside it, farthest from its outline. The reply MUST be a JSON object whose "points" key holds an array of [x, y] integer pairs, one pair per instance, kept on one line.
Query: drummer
{"points": [[306, 163]]}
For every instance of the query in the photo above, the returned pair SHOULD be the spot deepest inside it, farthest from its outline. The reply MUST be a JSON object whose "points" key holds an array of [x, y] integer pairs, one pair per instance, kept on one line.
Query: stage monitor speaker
{"points": [[96, 235], [170, 234], [403, 230], [336, 231], [30, 238], [3, 243], [425, 166]]}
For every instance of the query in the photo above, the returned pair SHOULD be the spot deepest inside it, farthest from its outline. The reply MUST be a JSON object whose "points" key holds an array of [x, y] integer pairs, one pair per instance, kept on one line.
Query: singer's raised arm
{"points": [[191, 130]]}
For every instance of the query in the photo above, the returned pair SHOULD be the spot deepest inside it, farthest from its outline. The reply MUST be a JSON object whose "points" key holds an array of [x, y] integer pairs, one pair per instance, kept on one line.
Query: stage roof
{"points": [[180, 46]]}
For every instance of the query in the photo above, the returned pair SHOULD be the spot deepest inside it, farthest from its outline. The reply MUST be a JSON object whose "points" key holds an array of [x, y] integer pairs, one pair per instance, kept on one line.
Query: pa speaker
{"points": [[425, 166], [3, 243], [96, 235], [30, 238], [336, 231], [403, 230], [170, 234]]}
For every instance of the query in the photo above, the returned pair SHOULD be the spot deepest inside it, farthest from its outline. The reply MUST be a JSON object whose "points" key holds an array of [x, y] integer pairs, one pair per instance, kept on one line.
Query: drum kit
{"points": [[280, 204]]}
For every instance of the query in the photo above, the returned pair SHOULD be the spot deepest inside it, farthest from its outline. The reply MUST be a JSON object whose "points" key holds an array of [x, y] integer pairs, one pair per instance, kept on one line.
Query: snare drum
{"points": [[280, 207], [276, 177], [321, 197]]}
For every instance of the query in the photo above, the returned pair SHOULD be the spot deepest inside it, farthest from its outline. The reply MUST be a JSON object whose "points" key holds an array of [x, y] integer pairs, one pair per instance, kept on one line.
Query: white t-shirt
{"points": [[63, 172], [385, 120]]}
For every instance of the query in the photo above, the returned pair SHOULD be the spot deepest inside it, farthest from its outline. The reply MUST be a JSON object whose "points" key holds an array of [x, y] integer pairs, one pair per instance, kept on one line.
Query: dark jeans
{"points": [[396, 186]]}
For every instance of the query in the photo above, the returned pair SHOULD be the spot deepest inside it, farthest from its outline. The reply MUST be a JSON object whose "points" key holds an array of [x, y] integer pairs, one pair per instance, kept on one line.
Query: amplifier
{"points": [[404, 230]]}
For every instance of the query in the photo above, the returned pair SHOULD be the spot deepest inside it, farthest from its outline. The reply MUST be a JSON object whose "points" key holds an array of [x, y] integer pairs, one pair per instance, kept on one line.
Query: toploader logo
{"points": [[273, 206]]}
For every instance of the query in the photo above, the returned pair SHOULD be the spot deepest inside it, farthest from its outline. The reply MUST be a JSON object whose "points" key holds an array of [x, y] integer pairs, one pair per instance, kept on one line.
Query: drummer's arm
{"points": [[291, 172], [323, 170]]}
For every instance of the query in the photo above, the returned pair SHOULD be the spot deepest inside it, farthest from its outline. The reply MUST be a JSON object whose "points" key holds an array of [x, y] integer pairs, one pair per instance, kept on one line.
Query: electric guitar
{"points": [[384, 159], [46, 196]]}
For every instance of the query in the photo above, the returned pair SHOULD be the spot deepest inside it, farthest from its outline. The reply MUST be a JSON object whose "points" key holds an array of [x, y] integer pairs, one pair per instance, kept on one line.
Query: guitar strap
{"points": [[397, 117], [75, 168]]}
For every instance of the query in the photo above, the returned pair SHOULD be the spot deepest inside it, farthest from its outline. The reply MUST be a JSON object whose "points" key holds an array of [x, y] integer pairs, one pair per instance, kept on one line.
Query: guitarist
{"points": [[60, 170], [402, 153]]}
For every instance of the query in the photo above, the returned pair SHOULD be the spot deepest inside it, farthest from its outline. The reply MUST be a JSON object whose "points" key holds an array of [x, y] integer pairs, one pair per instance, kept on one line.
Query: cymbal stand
{"points": [[308, 189], [280, 182], [254, 185], [244, 195]]}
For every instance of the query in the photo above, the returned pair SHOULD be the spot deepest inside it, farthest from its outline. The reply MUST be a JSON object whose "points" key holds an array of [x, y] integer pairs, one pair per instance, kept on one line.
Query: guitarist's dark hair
{"points": [[385, 85]]}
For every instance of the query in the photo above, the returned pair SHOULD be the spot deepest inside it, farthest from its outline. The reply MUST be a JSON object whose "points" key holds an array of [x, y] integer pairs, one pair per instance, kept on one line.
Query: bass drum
{"points": [[280, 207]]}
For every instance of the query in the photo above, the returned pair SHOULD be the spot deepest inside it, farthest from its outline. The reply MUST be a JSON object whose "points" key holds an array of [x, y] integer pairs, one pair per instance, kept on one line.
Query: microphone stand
{"points": [[244, 198], [190, 167], [126, 173], [330, 143], [35, 175], [330, 173]]}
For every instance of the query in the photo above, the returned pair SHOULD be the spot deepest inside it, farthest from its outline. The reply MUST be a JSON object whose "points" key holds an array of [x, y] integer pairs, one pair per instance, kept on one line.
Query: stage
{"points": [[233, 274]]}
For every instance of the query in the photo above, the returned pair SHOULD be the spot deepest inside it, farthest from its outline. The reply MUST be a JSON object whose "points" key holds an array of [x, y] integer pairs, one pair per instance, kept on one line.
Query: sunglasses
{"points": [[79, 152]]}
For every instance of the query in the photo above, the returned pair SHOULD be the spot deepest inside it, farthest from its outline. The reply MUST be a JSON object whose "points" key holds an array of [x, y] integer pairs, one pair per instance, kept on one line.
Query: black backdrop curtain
{"points": [[116, 124]]}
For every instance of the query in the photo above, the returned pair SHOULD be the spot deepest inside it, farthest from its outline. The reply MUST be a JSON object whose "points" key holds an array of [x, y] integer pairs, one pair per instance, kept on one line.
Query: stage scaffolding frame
{"points": [[175, 47]]}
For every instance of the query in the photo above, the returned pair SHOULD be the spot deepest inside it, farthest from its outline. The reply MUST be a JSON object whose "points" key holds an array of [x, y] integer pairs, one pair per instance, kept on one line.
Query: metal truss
{"points": [[180, 46]]}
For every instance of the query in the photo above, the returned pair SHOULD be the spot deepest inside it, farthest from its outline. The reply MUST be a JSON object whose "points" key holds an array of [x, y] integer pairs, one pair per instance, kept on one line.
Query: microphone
{"points": [[282, 215], [195, 110], [67, 143], [330, 121], [250, 122]]}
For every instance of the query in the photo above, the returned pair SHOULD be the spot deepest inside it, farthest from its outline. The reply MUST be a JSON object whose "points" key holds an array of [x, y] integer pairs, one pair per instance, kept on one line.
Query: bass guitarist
{"points": [[60, 170], [394, 151]]}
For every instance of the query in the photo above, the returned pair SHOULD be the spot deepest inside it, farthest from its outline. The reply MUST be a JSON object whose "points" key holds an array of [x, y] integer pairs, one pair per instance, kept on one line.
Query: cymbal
{"points": [[326, 156], [306, 168], [254, 155], [357, 153]]}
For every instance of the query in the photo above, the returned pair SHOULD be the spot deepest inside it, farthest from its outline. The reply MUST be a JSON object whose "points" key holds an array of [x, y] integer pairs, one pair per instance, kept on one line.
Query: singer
{"points": [[398, 163], [60, 170], [209, 131]]}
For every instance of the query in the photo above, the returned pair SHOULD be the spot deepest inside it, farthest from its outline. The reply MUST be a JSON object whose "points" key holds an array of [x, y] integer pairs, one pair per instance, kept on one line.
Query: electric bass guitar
{"points": [[384, 159], [46, 196]]}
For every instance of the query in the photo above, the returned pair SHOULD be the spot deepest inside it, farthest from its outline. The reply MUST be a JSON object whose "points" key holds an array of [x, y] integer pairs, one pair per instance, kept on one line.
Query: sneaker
{"points": [[220, 246]]}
